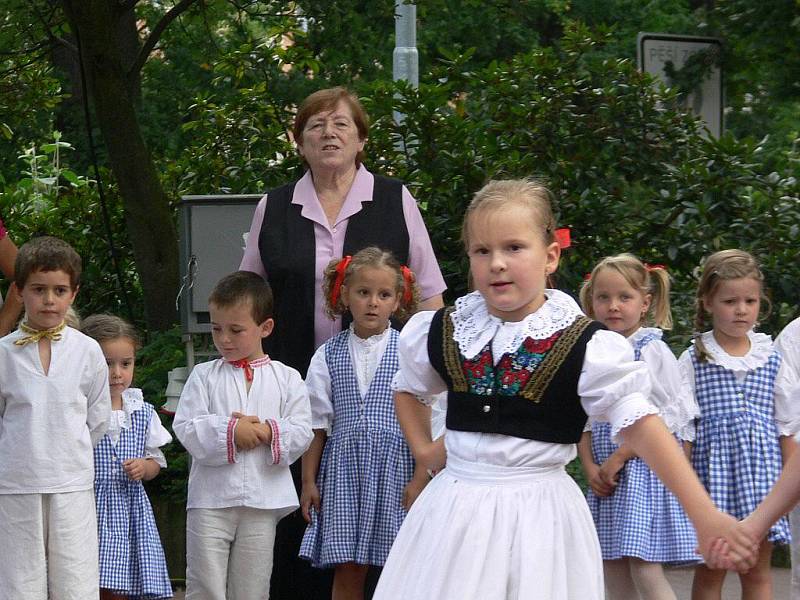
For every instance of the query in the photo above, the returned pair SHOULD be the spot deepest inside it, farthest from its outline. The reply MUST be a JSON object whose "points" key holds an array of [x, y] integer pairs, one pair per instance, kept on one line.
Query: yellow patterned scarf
{"points": [[34, 335]]}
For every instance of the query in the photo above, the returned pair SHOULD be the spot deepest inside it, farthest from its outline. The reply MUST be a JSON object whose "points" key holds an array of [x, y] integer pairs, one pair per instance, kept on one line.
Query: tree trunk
{"points": [[147, 211]]}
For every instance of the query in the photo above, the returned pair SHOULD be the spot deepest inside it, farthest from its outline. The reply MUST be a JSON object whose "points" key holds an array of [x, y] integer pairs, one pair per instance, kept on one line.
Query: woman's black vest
{"points": [[288, 251], [547, 409]]}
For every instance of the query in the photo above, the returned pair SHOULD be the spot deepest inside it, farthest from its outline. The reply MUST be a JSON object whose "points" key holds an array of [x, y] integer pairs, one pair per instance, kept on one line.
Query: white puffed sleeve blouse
{"points": [[612, 386]]}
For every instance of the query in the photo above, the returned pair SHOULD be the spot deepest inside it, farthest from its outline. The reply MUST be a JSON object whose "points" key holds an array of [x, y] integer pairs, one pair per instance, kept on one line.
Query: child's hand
{"points": [[309, 496], [609, 470], [135, 468], [432, 455], [250, 432], [414, 487], [722, 541], [597, 483]]}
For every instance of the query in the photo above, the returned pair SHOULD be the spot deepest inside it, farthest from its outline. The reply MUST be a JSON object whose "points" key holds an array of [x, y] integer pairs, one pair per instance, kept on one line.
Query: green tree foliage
{"points": [[630, 174]]}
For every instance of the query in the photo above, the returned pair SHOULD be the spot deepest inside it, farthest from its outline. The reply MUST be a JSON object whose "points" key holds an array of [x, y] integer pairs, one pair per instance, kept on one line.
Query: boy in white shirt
{"points": [[54, 407], [244, 419]]}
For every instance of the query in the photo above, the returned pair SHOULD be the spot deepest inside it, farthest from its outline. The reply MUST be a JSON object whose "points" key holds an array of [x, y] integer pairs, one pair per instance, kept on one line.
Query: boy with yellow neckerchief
{"points": [[54, 406]]}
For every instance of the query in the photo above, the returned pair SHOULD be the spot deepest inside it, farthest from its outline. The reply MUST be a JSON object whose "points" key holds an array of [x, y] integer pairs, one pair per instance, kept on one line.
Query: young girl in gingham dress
{"points": [[355, 489], [639, 522], [742, 389], [132, 563]]}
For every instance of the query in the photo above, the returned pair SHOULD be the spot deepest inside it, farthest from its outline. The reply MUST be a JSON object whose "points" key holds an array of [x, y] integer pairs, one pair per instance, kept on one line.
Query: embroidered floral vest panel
{"points": [[531, 394]]}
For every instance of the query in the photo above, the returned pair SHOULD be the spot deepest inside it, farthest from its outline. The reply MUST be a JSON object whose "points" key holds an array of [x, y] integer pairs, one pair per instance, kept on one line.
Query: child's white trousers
{"points": [[229, 552], [48, 543]]}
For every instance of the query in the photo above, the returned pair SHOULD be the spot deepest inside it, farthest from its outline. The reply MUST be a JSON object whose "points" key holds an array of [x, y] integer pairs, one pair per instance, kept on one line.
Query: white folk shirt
{"points": [[50, 423], [221, 475]]}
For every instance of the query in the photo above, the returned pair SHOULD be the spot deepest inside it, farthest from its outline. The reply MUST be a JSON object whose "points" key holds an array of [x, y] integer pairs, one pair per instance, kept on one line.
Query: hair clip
{"points": [[563, 237], [408, 280], [649, 267], [337, 284]]}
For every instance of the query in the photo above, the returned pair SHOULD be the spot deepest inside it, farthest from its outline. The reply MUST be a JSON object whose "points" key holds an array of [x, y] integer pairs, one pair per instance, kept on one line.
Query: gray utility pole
{"points": [[405, 59]]}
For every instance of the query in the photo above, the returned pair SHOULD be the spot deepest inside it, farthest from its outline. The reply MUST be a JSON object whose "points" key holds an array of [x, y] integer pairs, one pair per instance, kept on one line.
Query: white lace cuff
{"points": [[627, 411]]}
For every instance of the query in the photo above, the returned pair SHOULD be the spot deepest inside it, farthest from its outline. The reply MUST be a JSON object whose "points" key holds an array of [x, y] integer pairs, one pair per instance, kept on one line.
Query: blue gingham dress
{"points": [[365, 466], [642, 518], [131, 558], [737, 454]]}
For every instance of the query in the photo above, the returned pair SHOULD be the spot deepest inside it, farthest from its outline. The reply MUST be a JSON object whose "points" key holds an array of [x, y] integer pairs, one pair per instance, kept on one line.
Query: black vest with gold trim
{"points": [[531, 394]]}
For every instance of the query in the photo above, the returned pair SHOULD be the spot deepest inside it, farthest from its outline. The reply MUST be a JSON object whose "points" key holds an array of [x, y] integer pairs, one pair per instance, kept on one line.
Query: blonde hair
{"points": [[500, 194], [646, 279], [724, 265], [375, 258]]}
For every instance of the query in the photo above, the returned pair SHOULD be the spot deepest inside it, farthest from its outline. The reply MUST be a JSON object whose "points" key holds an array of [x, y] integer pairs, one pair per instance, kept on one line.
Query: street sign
{"points": [[655, 50]]}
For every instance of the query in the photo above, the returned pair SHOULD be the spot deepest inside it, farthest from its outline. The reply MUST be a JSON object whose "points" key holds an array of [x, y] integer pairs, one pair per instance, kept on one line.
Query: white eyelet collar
{"points": [[637, 335], [757, 356], [372, 340], [474, 326], [132, 400]]}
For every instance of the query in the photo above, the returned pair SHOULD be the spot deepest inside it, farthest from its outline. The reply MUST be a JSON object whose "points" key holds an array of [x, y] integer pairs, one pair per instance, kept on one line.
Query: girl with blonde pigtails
{"points": [[639, 522]]}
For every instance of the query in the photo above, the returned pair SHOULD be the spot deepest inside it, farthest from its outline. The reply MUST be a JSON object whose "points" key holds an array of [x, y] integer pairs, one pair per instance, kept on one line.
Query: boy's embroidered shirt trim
{"points": [[275, 446], [231, 446]]}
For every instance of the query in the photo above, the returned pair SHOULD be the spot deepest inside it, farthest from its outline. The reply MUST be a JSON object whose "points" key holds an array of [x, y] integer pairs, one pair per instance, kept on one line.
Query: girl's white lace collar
{"points": [[132, 400], [757, 356], [371, 341], [637, 335], [474, 326]]}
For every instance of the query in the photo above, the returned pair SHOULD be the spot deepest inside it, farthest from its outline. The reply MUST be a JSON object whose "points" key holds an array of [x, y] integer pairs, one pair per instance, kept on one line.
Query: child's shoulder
{"points": [[283, 370]]}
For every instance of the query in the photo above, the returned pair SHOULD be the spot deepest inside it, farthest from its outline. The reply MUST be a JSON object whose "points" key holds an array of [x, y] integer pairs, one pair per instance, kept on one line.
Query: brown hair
{"points": [[326, 101], [47, 254], [646, 279], [105, 327], [377, 259], [724, 265], [244, 286], [501, 194]]}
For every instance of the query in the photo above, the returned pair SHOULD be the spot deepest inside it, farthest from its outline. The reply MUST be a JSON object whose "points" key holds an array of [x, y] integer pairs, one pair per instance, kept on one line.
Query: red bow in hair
{"points": [[337, 284], [563, 237], [408, 281], [650, 267]]}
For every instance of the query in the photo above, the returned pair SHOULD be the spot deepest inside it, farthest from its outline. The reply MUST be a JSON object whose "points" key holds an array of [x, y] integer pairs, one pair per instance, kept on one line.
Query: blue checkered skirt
{"points": [[361, 482], [642, 518], [131, 557], [736, 452], [364, 469]]}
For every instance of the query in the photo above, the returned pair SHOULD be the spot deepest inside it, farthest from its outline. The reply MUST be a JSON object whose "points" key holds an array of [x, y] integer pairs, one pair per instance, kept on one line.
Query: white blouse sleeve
{"points": [[157, 436], [318, 382], [207, 437], [670, 394], [613, 387], [787, 402], [416, 375], [291, 430]]}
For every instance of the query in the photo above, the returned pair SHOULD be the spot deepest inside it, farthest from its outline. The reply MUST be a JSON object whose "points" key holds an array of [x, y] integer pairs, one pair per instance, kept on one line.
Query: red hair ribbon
{"points": [[587, 277], [650, 267], [337, 284], [563, 237], [408, 281]]}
